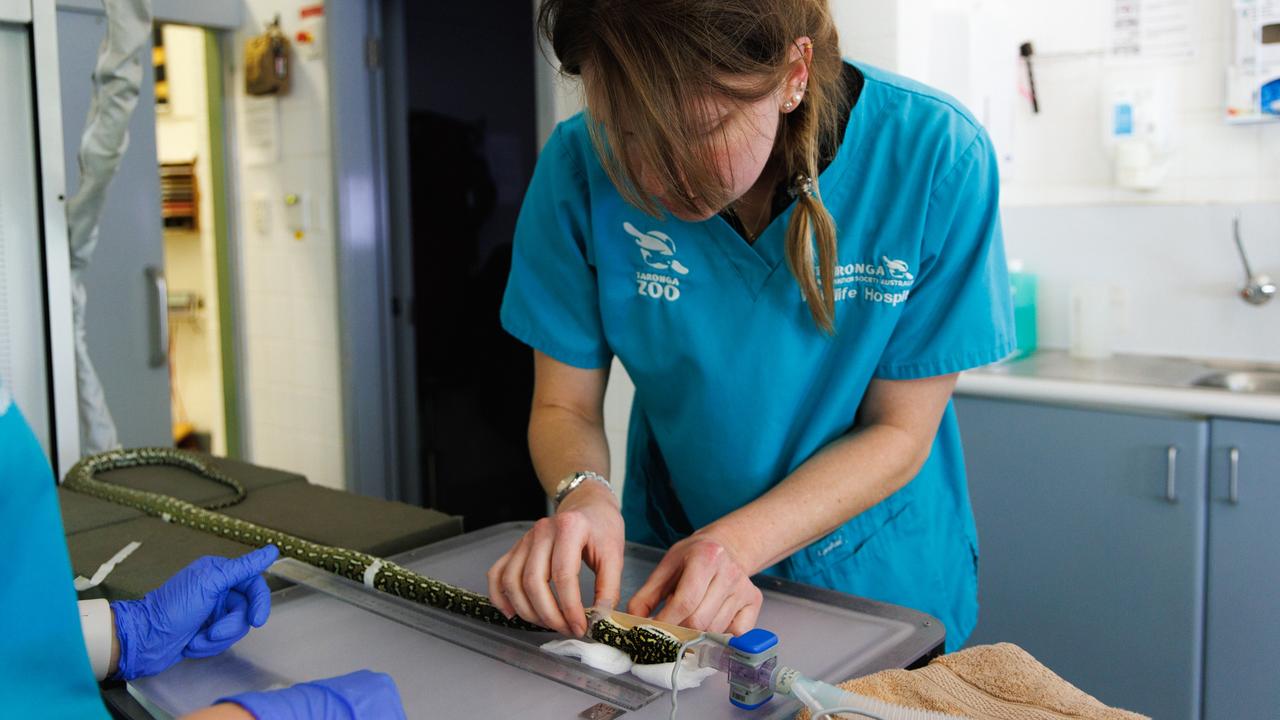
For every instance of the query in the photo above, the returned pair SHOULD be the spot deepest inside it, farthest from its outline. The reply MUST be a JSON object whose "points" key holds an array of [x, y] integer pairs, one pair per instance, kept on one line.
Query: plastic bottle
{"points": [[1022, 286]]}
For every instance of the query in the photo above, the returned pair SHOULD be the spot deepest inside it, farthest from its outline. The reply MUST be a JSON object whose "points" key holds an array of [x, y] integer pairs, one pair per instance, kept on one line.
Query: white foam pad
{"points": [[597, 655], [691, 676]]}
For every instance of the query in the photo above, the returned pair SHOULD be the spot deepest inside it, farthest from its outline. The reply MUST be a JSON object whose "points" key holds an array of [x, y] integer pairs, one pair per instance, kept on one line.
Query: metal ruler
{"points": [[474, 635]]}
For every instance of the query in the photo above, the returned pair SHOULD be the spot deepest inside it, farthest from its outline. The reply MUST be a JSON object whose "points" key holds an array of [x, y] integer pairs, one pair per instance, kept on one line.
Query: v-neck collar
{"points": [[756, 263]]}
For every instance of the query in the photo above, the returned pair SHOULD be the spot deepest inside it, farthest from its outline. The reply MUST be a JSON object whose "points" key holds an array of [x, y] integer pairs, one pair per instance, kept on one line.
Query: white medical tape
{"points": [[83, 583], [371, 572]]}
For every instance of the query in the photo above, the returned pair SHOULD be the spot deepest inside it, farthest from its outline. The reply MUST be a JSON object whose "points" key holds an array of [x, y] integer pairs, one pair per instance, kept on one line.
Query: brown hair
{"points": [[649, 61]]}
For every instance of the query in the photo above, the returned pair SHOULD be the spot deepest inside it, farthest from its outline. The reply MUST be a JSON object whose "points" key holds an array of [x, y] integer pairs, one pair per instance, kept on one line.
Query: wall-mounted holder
{"points": [[1253, 76]]}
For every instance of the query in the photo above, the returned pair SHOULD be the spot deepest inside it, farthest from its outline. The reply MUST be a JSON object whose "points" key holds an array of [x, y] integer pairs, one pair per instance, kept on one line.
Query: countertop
{"points": [[1123, 382]]}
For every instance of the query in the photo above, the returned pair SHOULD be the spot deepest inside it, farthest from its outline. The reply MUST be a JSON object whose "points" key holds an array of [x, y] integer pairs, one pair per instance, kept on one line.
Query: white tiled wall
{"points": [[1059, 156], [1173, 269], [293, 410], [1168, 253]]}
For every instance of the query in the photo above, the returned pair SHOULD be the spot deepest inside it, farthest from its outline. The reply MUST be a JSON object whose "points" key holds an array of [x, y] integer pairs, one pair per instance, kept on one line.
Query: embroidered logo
{"points": [[897, 269], [888, 282], [658, 251]]}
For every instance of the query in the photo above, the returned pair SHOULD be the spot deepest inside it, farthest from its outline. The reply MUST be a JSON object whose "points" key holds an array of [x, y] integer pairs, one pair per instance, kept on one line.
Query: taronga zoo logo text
{"points": [[888, 281], [658, 251]]}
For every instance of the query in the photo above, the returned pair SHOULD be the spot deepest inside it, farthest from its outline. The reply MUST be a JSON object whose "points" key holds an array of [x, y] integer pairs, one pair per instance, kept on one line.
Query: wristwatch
{"points": [[572, 482]]}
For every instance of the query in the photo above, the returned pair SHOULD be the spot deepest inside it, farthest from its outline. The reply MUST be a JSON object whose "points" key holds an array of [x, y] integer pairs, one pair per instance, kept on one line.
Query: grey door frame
{"points": [[407, 482], [370, 385], [64, 397], [213, 15]]}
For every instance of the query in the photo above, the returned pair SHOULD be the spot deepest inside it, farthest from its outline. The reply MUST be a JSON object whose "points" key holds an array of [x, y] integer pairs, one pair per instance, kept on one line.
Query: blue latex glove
{"points": [[361, 694], [203, 610]]}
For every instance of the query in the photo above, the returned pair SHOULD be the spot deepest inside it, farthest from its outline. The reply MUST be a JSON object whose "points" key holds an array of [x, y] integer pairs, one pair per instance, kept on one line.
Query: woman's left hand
{"points": [[705, 586]]}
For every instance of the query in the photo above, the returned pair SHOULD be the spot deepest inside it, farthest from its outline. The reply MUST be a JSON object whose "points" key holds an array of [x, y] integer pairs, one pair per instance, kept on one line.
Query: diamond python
{"points": [[645, 645]]}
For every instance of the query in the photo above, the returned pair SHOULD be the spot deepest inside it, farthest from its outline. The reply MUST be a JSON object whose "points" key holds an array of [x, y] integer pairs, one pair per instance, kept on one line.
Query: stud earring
{"points": [[787, 105]]}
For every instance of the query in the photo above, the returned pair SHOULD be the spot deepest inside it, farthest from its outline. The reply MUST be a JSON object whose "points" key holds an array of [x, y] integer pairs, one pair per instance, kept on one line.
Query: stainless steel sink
{"points": [[1233, 376], [1242, 381]]}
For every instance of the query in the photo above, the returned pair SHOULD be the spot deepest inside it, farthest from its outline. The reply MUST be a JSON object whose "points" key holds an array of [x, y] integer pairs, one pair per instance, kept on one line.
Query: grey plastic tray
{"points": [[311, 635]]}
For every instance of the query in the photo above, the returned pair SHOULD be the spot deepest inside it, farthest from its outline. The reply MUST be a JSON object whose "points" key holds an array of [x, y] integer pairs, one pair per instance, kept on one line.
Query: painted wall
{"points": [[1165, 257], [182, 133], [1060, 156], [288, 285]]}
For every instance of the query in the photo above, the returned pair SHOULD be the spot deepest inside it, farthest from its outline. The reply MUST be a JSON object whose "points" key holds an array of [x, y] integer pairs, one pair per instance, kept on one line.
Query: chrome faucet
{"points": [[1258, 289]]}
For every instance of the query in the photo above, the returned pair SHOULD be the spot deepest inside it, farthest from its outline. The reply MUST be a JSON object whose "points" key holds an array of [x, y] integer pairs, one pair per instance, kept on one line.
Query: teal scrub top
{"points": [[44, 667], [735, 385]]}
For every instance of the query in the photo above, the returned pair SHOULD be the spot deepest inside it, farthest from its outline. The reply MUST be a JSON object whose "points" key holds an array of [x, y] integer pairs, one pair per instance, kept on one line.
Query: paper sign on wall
{"points": [[261, 130], [1145, 29]]}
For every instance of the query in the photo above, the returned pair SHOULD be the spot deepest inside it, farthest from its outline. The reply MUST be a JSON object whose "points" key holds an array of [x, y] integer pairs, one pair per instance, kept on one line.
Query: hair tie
{"points": [[802, 185]]}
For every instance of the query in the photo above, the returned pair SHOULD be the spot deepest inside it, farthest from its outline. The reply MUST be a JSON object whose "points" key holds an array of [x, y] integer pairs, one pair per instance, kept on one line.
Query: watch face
{"points": [[564, 487]]}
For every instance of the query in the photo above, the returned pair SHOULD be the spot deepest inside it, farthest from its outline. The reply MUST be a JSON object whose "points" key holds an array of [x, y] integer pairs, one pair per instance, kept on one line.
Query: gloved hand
{"points": [[203, 610], [361, 694]]}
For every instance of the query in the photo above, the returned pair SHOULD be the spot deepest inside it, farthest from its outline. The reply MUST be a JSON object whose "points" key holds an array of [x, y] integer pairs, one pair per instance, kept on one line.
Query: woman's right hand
{"points": [[587, 527]]}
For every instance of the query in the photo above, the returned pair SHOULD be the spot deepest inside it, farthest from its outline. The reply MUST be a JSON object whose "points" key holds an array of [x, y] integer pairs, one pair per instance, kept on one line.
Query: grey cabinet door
{"points": [[1242, 635], [1085, 562], [121, 328]]}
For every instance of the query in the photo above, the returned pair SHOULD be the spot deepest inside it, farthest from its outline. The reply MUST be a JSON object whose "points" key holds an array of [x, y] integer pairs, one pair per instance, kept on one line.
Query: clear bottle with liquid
{"points": [[1022, 287]]}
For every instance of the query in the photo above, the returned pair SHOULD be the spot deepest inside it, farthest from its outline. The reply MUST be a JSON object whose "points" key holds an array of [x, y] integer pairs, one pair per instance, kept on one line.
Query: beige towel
{"points": [[986, 682]]}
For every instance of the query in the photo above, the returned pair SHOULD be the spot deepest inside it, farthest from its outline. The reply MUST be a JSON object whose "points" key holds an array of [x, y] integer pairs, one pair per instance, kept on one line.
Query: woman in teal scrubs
{"points": [[45, 667], [792, 256]]}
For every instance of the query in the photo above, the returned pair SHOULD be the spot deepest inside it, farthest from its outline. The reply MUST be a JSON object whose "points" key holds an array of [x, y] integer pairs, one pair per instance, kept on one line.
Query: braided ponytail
{"points": [[806, 132]]}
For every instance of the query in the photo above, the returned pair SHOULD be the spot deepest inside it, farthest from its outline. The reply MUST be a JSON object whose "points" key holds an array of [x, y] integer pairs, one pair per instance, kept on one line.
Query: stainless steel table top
{"points": [[310, 635]]}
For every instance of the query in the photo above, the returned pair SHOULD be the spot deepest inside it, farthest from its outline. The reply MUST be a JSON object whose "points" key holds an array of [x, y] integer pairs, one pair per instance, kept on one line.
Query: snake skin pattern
{"points": [[645, 645]]}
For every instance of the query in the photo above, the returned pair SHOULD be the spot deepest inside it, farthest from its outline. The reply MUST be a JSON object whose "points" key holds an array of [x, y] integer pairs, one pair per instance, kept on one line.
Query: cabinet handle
{"points": [[1171, 476], [1233, 477], [159, 316]]}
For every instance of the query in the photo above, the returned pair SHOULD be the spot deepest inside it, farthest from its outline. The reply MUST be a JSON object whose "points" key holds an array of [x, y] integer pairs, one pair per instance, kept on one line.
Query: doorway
{"points": [[188, 112]]}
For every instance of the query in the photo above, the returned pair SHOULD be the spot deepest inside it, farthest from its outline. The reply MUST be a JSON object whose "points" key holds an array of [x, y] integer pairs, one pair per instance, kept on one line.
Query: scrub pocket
{"points": [[910, 558], [883, 562]]}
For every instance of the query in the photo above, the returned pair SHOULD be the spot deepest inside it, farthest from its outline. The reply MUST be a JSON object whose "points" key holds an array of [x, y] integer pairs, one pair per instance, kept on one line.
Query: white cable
{"points": [[675, 670], [830, 713]]}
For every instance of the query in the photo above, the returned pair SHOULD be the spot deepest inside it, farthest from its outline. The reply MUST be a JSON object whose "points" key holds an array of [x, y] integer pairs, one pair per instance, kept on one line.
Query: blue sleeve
{"points": [[959, 314], [552, 302]]}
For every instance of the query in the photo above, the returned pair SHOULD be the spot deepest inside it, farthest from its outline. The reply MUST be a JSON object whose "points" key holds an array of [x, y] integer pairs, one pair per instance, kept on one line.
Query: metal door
{"points": [[1241, 634], [126, 305]]}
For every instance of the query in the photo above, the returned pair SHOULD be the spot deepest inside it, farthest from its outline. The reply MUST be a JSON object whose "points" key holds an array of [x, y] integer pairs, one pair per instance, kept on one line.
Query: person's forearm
{"points": [[563, 442], [844, 479]]}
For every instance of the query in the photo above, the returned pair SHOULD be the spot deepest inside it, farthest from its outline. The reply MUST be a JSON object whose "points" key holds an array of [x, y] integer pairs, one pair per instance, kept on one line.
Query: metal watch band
{"points": [[572, 483]]}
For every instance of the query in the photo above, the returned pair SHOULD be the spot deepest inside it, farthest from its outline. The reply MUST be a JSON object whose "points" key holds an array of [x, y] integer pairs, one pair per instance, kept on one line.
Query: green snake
{"points": [[645, 645]]}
